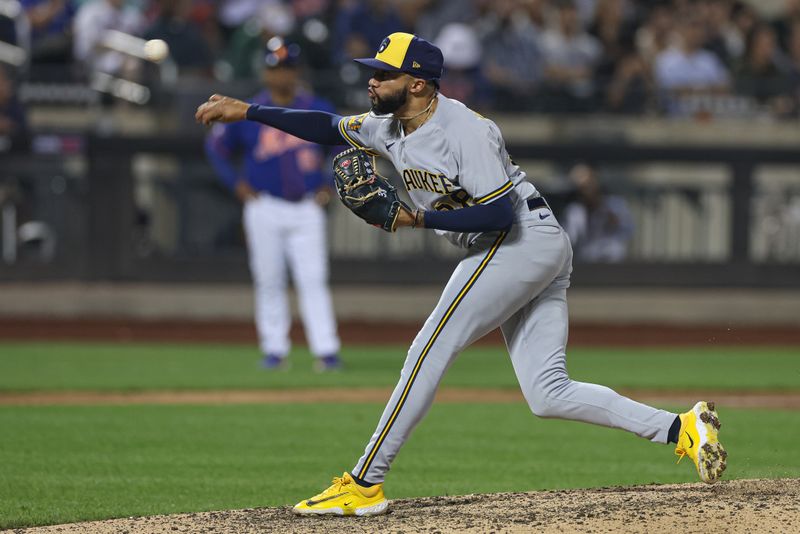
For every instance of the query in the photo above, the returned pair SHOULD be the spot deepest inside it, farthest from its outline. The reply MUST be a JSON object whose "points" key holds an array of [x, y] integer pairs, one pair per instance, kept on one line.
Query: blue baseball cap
{"points": [[404, 52]]}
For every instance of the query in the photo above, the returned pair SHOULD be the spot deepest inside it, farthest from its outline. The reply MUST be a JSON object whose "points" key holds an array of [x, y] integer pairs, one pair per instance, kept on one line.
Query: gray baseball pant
{"points": [[517, 281]]}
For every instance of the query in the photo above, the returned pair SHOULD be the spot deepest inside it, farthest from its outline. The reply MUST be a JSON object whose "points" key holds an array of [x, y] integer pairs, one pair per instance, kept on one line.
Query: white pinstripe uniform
{"points": [[515, 280]]}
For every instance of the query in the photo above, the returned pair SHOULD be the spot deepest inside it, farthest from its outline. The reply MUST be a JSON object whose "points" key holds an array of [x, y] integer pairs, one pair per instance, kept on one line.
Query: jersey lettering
{"points": [[427, 181], [309, 159], [273, 143]]}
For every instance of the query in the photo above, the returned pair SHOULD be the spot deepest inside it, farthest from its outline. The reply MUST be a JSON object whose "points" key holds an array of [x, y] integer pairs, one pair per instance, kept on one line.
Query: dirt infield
{"points": [[734, 399], [101, 329], [733, 507]]}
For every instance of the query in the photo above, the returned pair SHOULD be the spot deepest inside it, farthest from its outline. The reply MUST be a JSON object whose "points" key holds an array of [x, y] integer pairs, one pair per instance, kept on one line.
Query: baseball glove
{"points": [[365, 192]]}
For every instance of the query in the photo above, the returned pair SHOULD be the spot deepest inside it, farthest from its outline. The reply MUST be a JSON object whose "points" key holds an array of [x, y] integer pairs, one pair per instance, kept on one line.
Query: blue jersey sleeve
{"points": [[221, 148]]}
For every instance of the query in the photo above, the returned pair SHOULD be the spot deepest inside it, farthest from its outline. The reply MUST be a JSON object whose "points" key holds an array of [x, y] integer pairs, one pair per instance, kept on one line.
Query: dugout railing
{"points": [[151, 209]]}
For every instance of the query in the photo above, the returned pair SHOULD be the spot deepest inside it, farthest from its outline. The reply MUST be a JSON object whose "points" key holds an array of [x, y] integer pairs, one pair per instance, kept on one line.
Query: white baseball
{"points": [[156, 50]]}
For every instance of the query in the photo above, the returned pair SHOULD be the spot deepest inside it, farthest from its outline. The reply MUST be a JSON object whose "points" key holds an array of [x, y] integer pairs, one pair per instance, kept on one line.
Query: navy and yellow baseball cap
{"points": [[404, 52]]}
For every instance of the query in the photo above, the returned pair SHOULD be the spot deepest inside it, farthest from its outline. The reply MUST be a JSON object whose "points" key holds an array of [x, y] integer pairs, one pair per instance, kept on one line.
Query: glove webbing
{"points": [[362, 181], [363, 198]]}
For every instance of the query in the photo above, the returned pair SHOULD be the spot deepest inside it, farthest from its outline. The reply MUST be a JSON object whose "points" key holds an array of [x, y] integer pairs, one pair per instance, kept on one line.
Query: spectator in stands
{"points": [[436, 14], [587, 9], [683, 8], [688, 69], [245, 53], [599, 225], [310, 8], [631, 89], [621, 74], [12, 114], [571, 56], [657, 34], [232, 14], [725, 39], [302, 22], [360, 27], [203, 14], [614, 30], [462, 78], [94, 20], [512, 58], [744, 19], [567, 68], [793, 64], [187, 47], [784, 23], [535, 12], [759, 75], [312, 32], [51, 29]]}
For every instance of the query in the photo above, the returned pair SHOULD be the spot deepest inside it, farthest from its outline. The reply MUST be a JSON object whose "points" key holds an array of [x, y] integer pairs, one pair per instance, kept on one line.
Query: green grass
{"points": [[73, 366], [64, 464], [70, 463]]}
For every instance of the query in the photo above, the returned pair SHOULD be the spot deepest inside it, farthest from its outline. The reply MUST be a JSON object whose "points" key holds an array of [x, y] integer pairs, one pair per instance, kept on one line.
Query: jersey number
{"points": [[454, 201]]}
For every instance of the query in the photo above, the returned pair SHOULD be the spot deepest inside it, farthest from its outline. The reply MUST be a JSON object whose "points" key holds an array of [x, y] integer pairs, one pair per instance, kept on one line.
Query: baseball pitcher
{"points": [[515, 275]]}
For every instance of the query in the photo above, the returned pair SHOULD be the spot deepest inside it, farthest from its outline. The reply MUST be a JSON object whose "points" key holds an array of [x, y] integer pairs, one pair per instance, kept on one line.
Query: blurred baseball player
{"points": [[514, 276], [281, 185]]}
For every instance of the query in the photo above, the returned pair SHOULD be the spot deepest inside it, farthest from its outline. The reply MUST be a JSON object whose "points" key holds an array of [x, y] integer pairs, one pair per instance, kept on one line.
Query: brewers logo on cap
{"points": [[404, 52]]}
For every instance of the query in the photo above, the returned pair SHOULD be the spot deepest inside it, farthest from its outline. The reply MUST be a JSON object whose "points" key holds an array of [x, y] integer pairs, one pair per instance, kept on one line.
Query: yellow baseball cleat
{"points": [[698, 440], [345, 497]]}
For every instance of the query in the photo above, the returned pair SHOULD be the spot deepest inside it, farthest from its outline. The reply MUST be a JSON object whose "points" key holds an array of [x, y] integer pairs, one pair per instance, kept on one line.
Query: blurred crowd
{"points": [[678, 57]]}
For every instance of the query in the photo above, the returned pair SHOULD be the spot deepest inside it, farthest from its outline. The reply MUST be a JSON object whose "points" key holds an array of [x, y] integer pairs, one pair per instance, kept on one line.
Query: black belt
{"points": [[536, 203]]}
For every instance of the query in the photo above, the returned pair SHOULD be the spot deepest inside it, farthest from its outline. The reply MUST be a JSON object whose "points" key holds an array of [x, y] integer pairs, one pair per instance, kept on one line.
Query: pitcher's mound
{"points": [[735, 506]]}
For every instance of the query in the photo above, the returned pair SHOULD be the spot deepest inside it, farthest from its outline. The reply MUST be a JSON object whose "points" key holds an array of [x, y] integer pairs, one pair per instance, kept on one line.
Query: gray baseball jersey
{"points": [[455, 159], [515, 280]]}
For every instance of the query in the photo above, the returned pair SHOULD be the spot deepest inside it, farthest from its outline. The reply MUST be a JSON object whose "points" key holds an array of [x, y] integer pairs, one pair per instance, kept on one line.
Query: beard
{"points": [[390, 103]]}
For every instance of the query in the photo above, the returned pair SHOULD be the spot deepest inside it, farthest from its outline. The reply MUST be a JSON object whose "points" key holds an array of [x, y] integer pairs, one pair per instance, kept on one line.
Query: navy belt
{"points": [[536, 203]]}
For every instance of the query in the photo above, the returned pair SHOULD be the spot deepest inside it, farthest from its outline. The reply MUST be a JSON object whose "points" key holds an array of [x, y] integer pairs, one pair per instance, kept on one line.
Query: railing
{"points": [[152, 209]]}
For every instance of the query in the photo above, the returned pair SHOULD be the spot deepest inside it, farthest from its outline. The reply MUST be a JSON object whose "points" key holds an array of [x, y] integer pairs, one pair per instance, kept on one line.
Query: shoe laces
{"points": [[682, 451], [338, 483]]}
